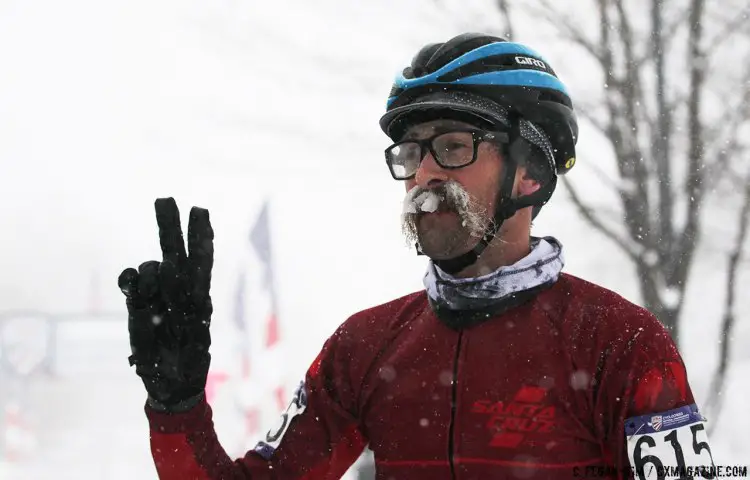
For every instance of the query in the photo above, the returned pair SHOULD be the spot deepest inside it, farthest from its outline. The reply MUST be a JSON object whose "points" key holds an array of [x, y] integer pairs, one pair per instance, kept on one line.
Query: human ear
{"points": [[525, 184]]}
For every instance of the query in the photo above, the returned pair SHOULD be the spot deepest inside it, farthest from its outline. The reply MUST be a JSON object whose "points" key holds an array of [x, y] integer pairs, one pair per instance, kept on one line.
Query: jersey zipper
{"points": [[454, 395]]}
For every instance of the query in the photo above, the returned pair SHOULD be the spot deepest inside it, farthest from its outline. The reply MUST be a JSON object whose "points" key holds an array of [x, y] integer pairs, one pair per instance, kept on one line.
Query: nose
{"points": [[430, 174]]}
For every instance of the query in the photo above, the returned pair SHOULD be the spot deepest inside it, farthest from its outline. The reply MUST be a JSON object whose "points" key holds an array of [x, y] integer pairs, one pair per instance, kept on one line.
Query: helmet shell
{"points": [[480, 76]]}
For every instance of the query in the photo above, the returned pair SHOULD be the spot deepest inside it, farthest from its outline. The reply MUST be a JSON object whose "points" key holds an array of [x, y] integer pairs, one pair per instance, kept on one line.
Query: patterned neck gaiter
{"points": [[542, 266]]}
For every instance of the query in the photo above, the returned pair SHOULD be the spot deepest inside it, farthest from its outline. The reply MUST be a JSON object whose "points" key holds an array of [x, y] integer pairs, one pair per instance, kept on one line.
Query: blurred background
{"points": [[266, 114]]}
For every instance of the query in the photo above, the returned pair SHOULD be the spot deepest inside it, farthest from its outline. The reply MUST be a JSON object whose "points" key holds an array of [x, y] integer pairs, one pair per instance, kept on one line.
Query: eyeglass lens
{"points": [[452, 150]]}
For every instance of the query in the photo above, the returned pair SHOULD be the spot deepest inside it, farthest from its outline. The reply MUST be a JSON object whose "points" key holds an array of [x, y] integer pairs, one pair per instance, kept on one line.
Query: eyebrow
{"points": [[435, 131]]}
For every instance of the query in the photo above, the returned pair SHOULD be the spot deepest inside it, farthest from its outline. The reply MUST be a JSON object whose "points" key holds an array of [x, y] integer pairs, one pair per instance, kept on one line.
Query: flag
{"points": [[260, 239], [247, 409], [240, 321], [256, 318]]}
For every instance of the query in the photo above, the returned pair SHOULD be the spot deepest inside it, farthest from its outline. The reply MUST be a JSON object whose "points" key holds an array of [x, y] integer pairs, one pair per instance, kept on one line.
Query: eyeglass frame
{"points": [[478, 136]]}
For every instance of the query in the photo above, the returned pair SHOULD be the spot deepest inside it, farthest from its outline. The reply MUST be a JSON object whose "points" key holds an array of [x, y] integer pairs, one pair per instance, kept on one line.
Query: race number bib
{"points": [[273, 438], [671, 444]]}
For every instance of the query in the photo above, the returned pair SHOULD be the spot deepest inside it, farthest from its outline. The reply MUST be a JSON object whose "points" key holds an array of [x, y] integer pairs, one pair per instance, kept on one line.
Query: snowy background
{"points": [[105, 106]]}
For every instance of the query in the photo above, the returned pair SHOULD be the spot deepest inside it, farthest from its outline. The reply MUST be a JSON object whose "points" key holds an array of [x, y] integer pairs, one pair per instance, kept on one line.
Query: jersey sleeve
{"points": [[651, 422], [317, 437]]}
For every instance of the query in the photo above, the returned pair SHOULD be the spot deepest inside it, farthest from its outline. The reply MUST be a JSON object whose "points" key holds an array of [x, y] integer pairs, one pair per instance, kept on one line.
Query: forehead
{"points": [[427, 129]]}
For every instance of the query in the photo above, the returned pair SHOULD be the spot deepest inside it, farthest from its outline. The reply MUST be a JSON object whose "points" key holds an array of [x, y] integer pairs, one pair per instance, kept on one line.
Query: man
{"points": [[503, 367]]}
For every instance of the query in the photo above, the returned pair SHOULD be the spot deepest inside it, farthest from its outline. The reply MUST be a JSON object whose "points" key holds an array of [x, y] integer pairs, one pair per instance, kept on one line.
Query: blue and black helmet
{"points": [[485, 78]]}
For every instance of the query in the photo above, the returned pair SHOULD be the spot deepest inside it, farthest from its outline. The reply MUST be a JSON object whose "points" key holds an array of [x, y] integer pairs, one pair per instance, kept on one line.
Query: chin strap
{"points": [[505, 206]]}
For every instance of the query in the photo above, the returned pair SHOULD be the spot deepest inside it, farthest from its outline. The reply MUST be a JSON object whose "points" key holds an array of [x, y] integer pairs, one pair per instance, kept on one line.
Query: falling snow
{"points": [[579, 380], [670, 296]]}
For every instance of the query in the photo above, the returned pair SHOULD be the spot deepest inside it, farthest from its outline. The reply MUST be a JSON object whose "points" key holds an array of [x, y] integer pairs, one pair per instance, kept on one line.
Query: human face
{"points": [[466, 196]]}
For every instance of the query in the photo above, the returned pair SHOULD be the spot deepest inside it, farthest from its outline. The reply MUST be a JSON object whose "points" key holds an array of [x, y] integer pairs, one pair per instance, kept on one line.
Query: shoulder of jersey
{"points": [[387, 316], [607, 308]]}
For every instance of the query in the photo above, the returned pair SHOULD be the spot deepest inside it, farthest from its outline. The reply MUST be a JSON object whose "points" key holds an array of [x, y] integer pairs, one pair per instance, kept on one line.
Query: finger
{"points": [[172, 284], [201, 251], [176, 305], [137, 307], [170, 231], [141, 331], [128, 281], [141, 326], [148, 279]]}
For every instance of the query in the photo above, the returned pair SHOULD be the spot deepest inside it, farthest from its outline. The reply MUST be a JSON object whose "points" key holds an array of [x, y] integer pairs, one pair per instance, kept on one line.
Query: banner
{"points": [[262, 374]]}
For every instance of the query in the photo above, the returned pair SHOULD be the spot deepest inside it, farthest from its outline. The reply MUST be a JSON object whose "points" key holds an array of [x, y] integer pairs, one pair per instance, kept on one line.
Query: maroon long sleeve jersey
{"points": [[542, 390]]}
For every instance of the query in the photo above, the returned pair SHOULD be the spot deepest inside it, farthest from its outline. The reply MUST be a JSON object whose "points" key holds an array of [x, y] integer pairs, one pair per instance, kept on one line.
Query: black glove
{"points": [[169, 311]]}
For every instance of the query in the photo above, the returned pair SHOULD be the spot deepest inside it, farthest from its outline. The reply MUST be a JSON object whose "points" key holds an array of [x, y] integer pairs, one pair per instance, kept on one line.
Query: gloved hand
{"points": [[169, 311]]}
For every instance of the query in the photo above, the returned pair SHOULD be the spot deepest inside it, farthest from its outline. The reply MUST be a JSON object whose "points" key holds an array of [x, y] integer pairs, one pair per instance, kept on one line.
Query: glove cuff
{"points": [[180, 407]]}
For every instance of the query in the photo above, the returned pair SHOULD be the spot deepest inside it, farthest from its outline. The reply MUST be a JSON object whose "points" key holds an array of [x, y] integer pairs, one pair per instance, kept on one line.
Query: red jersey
{"points": [[540, 391]]}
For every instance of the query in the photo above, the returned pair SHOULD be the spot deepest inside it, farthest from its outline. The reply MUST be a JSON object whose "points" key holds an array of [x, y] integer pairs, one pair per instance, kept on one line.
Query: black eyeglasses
{"points": [[451, 150]]}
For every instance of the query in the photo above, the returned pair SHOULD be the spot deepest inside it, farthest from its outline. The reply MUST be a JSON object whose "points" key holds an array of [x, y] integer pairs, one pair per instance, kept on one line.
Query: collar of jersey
{"points": [[541, 267]]}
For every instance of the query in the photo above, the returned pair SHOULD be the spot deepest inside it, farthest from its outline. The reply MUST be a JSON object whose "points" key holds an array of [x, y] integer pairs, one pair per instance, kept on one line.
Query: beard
{"points": [[446, 221]]}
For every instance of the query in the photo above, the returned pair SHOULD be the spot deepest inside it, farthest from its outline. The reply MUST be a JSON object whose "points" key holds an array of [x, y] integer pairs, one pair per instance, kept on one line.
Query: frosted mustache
{"points": [[422, 200]]}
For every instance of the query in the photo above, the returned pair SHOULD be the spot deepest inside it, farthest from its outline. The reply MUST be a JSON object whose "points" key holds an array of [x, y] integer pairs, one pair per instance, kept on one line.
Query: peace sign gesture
{"points": [[169, 310]]}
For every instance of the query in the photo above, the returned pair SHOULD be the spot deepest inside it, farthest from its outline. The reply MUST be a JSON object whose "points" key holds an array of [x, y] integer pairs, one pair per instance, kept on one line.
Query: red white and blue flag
{"points": [[260, 238], [257, 321]]}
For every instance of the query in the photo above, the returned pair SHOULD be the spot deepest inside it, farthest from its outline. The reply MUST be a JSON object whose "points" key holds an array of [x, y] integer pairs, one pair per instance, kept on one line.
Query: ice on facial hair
{"points": [[427, 201], [430, 201]]}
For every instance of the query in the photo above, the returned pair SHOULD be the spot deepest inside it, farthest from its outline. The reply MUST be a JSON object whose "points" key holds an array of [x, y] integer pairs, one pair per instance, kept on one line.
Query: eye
{"points": [[455, 145], [453, 141]]}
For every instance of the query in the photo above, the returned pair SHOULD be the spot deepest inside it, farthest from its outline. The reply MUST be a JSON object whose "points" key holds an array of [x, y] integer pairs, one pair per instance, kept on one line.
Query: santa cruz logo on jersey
{"points": [[273, 438], [511, 421]]}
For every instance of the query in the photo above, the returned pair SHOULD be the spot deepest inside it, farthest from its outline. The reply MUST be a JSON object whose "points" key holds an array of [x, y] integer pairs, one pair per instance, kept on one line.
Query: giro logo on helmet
{"points": [[531, 61]]}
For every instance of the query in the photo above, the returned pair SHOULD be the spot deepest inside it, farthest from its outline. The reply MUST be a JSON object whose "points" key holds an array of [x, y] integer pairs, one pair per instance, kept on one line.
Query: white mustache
{"points": [[453, 196], [451, 193], [420, 200]]}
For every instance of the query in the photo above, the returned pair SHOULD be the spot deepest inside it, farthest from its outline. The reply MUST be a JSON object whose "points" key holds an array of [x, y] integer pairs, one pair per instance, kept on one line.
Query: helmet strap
{"points": [[505, 206]]}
